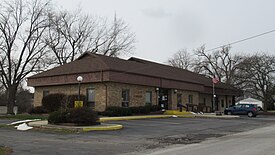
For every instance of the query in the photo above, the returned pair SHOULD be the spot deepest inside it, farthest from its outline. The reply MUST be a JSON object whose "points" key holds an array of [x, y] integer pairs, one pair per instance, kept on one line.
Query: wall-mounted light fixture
{"points": [[157, 89], [175, 91]]}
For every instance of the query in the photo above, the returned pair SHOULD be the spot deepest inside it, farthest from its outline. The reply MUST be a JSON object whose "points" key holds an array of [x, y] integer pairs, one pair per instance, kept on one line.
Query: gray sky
{"points": [[163, 27]]}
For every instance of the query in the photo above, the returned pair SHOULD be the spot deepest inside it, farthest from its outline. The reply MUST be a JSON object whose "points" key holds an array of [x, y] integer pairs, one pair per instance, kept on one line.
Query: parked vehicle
{"points": [[250, 110]]}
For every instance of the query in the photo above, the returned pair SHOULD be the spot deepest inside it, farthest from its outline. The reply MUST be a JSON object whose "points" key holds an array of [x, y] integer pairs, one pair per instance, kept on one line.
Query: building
{"points": [[109, 81], [250, 100]]}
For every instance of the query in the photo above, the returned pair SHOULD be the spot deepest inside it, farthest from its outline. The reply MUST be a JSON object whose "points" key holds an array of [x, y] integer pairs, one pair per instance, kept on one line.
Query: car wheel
{"points": [[250, 114], [229, 113]]}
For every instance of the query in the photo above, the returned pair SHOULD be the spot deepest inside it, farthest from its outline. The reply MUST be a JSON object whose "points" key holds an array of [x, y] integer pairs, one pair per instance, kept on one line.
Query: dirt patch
{"points": [[5, 150], [187, 139]]}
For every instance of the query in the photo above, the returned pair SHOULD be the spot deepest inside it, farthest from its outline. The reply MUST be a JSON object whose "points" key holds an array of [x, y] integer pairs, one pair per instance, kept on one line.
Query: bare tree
{"points": [[118, 40], [256, 76], [72, 34], [181, 59], [220, 63], [22, 25]]}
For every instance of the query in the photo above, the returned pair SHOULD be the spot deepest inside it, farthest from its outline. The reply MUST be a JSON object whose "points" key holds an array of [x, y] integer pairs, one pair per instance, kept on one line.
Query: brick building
{"points": [[109, 81]]}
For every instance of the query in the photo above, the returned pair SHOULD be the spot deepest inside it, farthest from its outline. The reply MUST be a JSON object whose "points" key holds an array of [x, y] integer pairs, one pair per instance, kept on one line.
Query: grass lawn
{"points": [[23, 117], [5, 150]]}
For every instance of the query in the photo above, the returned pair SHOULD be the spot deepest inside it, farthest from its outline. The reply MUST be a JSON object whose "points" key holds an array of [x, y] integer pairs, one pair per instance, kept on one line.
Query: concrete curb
{"points": [[102, 127], [217, 117], [105, 119], [108, 127]]}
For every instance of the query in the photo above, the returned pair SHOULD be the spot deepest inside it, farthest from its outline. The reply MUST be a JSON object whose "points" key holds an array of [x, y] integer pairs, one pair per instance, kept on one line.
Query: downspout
{"points": [[106, 90]]}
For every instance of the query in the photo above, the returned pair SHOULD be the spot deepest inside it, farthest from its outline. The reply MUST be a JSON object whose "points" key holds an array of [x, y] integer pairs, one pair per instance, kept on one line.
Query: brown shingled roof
{"points": [[89, 62]]}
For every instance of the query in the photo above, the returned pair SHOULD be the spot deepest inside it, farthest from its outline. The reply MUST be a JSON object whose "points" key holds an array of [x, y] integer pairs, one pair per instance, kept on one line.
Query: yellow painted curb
{"points": [[176, 112], [103, 128], [105, 119]]}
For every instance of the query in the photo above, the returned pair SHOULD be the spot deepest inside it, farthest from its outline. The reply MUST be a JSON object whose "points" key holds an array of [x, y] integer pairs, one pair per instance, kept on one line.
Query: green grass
{"points": [[5, 150], [24, 116]]}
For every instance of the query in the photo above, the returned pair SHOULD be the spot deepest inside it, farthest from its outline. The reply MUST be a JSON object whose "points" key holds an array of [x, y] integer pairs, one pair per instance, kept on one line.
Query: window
{"points": [[222, 103], [148, 98], [179, 98], [45, 93], [190, 99], [204, 101], [125, 97], [91, 97]]}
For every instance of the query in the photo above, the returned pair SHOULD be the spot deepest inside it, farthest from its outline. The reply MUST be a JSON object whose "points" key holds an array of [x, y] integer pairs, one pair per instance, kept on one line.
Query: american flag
{"points": [[215, 80]]}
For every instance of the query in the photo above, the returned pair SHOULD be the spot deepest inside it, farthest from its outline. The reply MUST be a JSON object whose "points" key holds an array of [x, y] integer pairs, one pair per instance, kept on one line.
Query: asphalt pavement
{"points": [[254, 142], [137, 136]]}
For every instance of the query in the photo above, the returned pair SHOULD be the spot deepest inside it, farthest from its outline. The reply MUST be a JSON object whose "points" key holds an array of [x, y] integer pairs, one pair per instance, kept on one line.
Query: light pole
{"points": [[79, 80]]}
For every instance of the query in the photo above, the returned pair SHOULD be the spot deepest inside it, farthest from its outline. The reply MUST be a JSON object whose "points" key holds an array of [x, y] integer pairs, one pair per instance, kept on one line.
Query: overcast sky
{"points": [[162, 27]]}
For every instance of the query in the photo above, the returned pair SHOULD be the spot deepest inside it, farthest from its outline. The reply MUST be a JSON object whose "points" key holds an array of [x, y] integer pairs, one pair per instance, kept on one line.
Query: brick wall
{"points": [[137, 95], [114, 93], [100, 91]]}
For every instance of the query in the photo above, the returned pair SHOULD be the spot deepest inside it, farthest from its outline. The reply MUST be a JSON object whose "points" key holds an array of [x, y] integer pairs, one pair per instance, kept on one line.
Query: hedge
{"points": [[38, 110], [128, 111], [78, 116], [53, 102]]}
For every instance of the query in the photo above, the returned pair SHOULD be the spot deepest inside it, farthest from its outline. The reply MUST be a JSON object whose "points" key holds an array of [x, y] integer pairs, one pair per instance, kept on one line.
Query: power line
{"points": [[242, 40]]}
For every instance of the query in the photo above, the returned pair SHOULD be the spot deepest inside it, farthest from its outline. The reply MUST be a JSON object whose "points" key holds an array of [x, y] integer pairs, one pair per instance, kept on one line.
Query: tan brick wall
{"points": [[114, 93], [208, 99], [185, 97], [73, 89], [137, 94]]}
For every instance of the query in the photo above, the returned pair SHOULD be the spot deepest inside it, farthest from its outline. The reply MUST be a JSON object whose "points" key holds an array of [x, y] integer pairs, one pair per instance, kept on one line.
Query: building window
{"points": [[204, 101], [190, 99], [179, 99], [125, 98], [45, 93], [91, 97], [148, 98], [222, 102]]}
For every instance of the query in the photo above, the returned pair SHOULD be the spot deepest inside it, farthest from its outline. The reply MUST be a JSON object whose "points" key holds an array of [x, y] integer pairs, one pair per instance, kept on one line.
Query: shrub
{"points": [[154, 108], [24, 101], [58, 117], [135, 110], [144, 109], [52, 102], [122, 111], [78, 116], [38, 110], [83, 116], [68, 101], [118, 111]]}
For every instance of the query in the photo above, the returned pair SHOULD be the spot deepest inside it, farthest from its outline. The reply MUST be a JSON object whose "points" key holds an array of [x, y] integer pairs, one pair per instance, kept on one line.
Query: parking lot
{"points": [[137, 136]]}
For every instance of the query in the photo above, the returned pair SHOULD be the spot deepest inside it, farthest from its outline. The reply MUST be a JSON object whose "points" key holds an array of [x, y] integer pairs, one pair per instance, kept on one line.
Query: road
{"points": [[255, 142], [137, 136]]}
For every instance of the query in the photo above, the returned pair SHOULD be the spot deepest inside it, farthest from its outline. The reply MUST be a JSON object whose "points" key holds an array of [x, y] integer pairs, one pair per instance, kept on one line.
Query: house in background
{"points": [[250, 100], [109, 81]]}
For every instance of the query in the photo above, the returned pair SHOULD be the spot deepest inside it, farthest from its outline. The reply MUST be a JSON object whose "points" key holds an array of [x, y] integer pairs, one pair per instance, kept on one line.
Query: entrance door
{"points": [[163, 98]]}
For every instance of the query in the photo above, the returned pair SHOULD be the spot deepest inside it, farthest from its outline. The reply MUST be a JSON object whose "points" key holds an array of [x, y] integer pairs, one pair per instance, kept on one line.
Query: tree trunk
{"points": [[11, 96]]}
